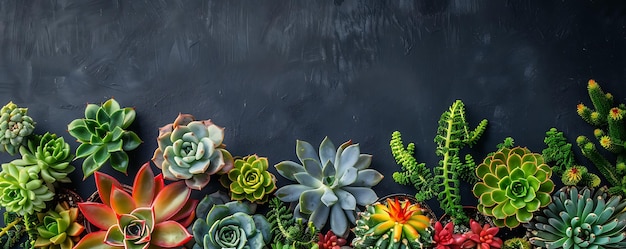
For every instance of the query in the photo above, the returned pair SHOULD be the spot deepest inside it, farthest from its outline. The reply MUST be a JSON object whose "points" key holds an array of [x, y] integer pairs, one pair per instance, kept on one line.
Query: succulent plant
{"points": [[15, 125], [287, 230], [47, 156], [516, 243], [229, 225], [453, 134], [560, 156], [58, 227], [103, 138], [580, 218], [481, 237], [147, 217], [192, 150], [515, 183], [250, 180], [330, 241], [393, 224], [445, 238], [20, 193], [330, 185]]}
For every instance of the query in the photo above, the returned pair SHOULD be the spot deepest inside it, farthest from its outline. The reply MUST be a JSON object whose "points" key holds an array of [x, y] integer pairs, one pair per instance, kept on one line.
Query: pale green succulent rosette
{"points": [[21, 194], [58, 228], [15, 125], [250, 180], [47, 156], [330, 185], [192, 151], [514, 184]]}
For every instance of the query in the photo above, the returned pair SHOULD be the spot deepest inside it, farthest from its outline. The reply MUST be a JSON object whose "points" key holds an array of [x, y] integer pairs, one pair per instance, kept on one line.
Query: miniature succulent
{"points": [[515, 183], [229, 225], [59, 227], [192, 150], [103, 138], [330, 185], [330, 241], [481, 237], [578, 175], [289, 231], [147, 217], [516, 243], [453, 133], [393, 224], [47, 156], [15, 125], [611, 135], [250, 180], [445, 238], [20, 193], [560, 156], [580, 218]]}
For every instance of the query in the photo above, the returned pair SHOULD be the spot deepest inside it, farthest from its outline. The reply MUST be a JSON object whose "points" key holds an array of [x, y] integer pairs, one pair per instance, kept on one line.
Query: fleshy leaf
{"points": [[169, 234], [100, 215], [143, 186], [94, 240], [170, 200]]}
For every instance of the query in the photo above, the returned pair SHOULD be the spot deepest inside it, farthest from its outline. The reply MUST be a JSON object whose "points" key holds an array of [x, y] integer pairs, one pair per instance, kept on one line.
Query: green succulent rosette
{"points": [[192, 150], [103, 136], [58, 228], [48, 156], [229, 225], [514, 184], [15, 125], [20, 193], [250, 180]]}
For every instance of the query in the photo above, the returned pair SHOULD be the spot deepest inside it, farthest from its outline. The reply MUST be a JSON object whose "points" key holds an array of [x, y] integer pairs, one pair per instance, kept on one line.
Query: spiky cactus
{"points": [[453, 133], [610, 132], [15, 125], [560, 156], [580, 218]]}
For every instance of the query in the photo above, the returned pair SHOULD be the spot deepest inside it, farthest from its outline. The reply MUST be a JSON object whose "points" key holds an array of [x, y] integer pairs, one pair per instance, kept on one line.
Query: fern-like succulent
{"points": [[15, 126], [289, 231], [103, 136], [453, 133], [560, 156], [13, 231]]}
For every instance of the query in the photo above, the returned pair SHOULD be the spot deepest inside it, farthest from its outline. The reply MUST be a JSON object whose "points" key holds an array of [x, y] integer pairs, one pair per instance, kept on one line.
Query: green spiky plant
{"points": [[453, 133], [559, 154], [580, 218], [103, 137], [288, 231]]}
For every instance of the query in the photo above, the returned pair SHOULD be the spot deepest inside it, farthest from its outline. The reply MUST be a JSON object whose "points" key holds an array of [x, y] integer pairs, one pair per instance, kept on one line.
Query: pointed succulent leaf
{"points": [[169, 234], [170, 200]]}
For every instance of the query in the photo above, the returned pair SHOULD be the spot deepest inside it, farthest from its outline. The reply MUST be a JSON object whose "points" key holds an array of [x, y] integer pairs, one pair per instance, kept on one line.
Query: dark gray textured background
{"points": [[272, 72]]}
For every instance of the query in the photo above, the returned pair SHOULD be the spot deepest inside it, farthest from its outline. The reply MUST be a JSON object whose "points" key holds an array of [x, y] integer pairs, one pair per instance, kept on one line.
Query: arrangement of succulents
{"points": [[326, 199]]}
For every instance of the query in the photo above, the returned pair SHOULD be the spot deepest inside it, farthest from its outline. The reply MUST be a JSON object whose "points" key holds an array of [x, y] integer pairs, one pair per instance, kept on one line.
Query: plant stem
{"points": [[9, 226]]}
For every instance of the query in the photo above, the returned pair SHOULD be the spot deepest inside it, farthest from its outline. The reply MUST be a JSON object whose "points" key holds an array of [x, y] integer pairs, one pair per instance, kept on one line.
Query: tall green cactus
{"points": [[453, 134], [611, 135]]}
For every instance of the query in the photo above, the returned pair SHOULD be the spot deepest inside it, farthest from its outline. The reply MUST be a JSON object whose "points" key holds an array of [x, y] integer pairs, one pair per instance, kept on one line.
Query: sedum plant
{"points": [[58, 227], [580, 218], [20, 193], [514, 183], [393, 224], [330, 184], [330, 241], [481, 237], [47, 157], [608, 118], [250, 180], [453, 133], [15, 126], [445, 238], [152, 215], [103, 138], [288, 231], [223, 224], [192, 150]]}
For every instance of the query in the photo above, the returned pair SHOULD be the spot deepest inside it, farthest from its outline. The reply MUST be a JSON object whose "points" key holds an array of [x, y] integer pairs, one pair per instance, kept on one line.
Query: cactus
{"points": [[559, 154], [15, 125], [611, 135], [453, 134]]}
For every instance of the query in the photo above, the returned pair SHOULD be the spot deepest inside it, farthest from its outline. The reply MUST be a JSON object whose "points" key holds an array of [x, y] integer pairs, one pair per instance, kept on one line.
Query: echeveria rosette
{"points": [[47, 156], [250, 180], [103, 136], [330, 185], [392, 224], [20, 193], [580, 218], [192, 150], [58, 227], [229, 225], [15, 125], [153, 215], [514, 184]]}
